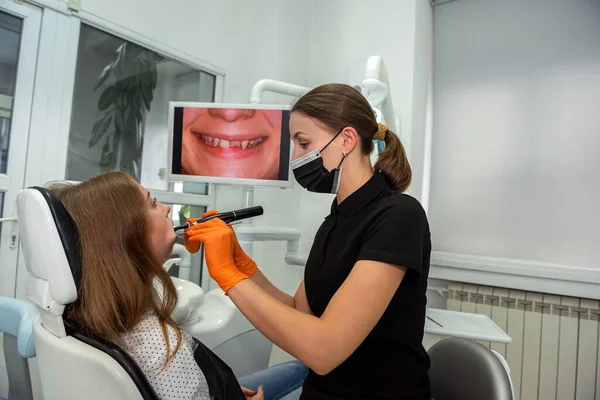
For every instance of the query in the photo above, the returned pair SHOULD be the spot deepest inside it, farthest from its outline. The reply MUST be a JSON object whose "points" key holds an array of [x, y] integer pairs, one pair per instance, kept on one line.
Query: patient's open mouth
{"points": [[230, 143], [231, 146]]}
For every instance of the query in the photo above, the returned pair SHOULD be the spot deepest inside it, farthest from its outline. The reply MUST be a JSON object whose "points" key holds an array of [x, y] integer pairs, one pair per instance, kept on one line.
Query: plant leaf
{"points": [[136, 170], [106, 161], [100, 128], [121, 50], [151, 94], [118, 63], [119, 122], [139, 115], [133, 100], [132, 50], [106, 157], [154, 77], [146, 96], [120, 102], [130, 120], [129, 67], [103, 75], [106, 98]]}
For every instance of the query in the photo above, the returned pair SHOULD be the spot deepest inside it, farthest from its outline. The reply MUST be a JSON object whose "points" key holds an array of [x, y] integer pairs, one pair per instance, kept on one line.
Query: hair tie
{"points": [[381, 131]]}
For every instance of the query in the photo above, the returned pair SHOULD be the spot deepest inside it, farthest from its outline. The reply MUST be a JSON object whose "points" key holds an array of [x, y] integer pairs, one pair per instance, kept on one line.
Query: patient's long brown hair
{"points": [[119, 262]]}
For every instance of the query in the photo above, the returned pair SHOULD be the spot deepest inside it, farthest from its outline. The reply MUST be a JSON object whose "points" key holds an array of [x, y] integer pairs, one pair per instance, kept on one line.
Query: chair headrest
{"points": [[50, 243]]}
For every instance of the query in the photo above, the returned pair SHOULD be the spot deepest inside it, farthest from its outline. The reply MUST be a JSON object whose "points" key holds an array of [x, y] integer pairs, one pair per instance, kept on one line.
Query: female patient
{"points": [[125, 237]]}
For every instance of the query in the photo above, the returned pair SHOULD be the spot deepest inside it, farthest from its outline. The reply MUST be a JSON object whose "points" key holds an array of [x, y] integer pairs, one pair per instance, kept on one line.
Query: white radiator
{"points": [[555, 339]]}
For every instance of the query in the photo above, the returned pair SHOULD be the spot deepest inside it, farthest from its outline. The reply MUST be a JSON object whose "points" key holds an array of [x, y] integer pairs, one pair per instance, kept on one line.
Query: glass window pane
{"points": [[1, 208], [190, 187], [120, 103], [10, 39], [195, 188], [4, 139]]}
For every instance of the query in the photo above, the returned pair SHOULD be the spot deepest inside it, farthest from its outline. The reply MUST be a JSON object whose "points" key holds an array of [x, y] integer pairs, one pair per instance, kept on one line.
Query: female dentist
{"points": [[357, 319]]}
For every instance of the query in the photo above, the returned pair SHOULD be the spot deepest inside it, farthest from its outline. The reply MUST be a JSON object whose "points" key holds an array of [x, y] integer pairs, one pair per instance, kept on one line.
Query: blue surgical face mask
{"points": [[312, 175]]}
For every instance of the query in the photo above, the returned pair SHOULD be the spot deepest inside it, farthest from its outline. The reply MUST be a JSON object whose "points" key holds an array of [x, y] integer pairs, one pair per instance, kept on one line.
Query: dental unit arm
{"points": [[270, 85], [376, 88]]}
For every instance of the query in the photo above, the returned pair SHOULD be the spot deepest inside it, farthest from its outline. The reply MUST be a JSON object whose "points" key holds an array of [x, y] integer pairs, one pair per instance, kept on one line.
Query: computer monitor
{"points": [[244, 144]]}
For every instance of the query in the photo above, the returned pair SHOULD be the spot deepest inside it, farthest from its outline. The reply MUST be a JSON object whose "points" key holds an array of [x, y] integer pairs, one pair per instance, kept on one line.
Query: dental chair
{"points": [[467, 370], [16, 323], [74, 366], [71, 364]]}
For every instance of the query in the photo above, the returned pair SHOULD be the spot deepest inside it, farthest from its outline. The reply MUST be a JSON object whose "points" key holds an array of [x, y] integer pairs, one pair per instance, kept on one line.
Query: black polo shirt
{"points": [[380, 224]]}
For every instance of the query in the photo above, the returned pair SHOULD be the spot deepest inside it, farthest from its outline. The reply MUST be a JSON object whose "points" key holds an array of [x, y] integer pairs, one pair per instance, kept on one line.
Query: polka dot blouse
{"points": [[182, 379]]}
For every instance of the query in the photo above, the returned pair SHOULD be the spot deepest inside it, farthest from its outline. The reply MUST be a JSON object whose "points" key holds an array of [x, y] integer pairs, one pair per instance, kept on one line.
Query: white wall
{"points": [[249, 40], [344, 32]]}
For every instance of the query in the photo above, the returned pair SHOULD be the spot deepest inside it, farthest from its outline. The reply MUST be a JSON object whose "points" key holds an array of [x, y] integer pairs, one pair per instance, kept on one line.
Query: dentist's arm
{"points": [[323, 343], [298, 301]]}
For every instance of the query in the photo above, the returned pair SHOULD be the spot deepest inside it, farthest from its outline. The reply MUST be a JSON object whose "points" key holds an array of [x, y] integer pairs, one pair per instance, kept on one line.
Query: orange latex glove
{"points": [[218, 251], [191, 245], [241, 259]]}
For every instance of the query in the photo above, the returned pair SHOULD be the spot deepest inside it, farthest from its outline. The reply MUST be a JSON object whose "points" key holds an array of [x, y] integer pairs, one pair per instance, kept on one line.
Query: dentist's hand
{"points": [[242, 260], [218, 239]]}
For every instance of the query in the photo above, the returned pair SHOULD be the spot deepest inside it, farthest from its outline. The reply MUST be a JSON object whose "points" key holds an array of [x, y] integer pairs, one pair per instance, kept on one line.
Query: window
{"points": [[10, 37], [119, 118], [120, 104], [516, 151]]}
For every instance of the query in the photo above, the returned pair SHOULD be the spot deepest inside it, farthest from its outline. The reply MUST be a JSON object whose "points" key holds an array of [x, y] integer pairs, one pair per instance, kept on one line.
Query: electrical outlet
{"points": [[75, 5]]}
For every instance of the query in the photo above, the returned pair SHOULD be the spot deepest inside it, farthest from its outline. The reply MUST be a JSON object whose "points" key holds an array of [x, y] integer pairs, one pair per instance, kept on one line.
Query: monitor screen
{"points": [[229, 143]]}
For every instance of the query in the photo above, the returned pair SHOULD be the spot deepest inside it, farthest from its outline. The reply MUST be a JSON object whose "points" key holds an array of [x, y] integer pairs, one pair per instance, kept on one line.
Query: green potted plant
{"points": [[128, 84]]}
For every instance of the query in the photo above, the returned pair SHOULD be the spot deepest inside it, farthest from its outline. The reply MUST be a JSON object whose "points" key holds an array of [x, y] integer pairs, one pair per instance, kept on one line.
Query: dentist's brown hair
{"points": [[337, 106]]}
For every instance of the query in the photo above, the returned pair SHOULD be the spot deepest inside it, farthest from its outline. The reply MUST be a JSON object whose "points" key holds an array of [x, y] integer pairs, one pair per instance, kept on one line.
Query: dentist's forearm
{"points": [[261, 280], [303, 336]]}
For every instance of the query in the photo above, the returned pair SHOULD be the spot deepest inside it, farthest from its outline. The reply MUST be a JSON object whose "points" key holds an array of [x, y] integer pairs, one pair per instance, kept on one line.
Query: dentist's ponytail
{"points": [[337, 106], [393, 163]]}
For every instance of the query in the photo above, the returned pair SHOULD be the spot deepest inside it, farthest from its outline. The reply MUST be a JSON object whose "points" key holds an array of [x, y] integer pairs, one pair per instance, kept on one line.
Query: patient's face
{"points": [[163, 235]]}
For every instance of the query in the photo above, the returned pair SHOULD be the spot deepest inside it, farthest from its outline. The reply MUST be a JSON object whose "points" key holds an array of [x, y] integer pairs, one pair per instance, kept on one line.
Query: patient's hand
{"points": [[252, 395]]}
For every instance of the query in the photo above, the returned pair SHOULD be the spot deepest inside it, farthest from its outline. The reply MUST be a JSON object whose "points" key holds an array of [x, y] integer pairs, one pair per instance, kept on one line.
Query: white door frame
{"points": [[12, 182]]}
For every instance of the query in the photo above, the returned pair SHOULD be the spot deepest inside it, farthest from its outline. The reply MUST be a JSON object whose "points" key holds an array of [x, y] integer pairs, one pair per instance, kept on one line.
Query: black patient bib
{"points": [[222, 383]]}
